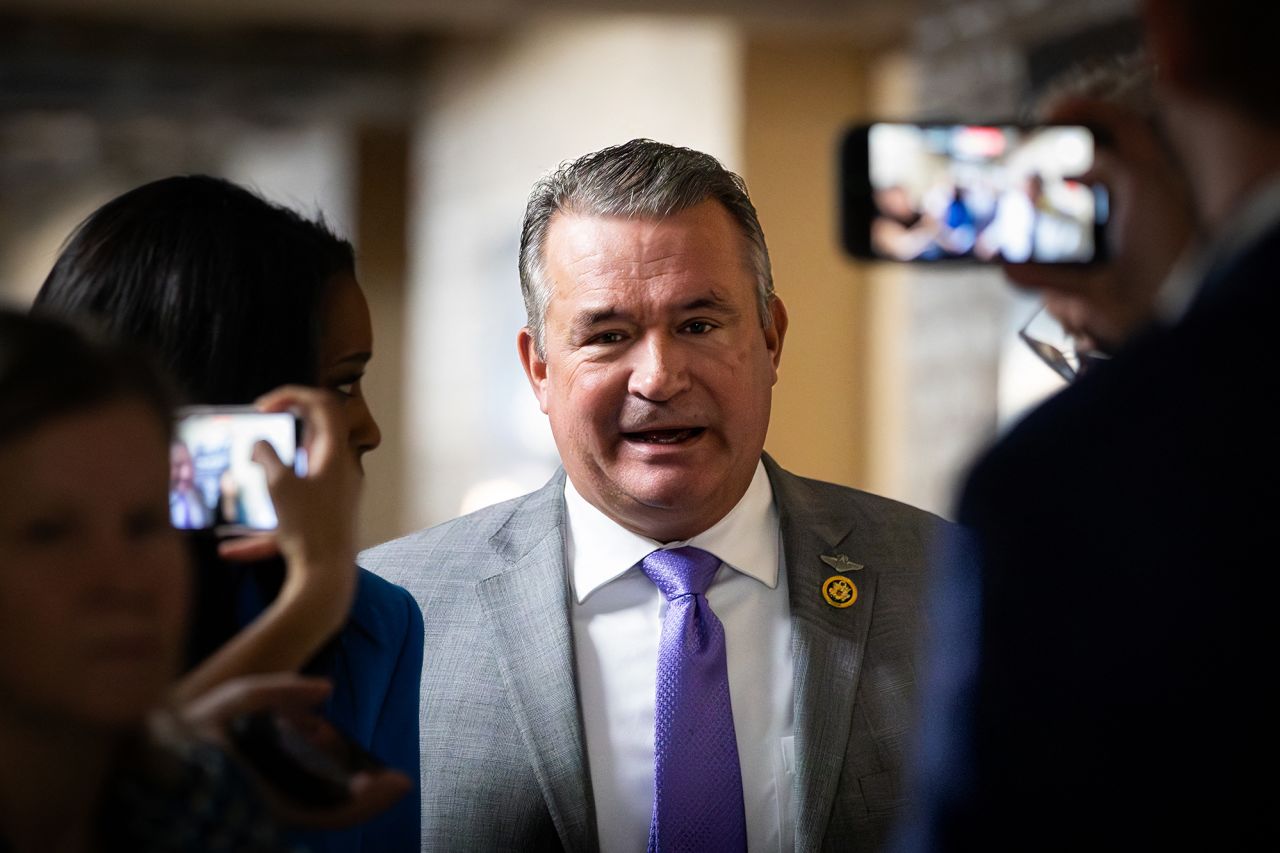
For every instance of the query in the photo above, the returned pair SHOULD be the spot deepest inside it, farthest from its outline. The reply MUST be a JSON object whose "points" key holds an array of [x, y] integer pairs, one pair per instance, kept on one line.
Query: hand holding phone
{"points": [[1152, 221], [315, 537], [301, 755], [313, 775], [316, 511]]}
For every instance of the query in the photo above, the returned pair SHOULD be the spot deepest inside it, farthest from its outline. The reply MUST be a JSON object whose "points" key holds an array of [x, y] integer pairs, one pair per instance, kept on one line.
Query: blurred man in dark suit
{"points": [[1103, 638]]}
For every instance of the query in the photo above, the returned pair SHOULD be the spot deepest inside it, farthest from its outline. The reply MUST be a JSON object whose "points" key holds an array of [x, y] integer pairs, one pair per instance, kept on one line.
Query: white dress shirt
{"points": [[617, 620]]}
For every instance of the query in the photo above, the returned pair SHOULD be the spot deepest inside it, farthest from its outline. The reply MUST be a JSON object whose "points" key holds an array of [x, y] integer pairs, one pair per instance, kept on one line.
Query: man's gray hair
{"points": [[640, 179]]}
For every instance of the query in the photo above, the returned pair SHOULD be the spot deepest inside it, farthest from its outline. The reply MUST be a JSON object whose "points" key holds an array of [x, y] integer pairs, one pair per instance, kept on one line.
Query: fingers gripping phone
{"points": [[213, 481], [988, 193], [301, 755]]}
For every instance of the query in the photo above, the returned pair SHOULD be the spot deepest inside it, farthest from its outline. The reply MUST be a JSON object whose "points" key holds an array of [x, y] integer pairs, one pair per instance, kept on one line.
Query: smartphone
{"points": [[213, 481], [999, 193], [302, 755]]}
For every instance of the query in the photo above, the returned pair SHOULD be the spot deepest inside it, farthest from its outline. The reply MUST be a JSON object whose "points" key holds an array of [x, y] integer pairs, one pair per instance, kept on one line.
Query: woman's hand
{"points": [[316, 513], [315, 536], [1103, 304], [371, 791]]}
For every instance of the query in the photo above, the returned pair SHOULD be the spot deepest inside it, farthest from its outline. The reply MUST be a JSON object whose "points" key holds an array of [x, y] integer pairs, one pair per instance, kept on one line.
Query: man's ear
{"points": [[535, 367], [775, 332]]}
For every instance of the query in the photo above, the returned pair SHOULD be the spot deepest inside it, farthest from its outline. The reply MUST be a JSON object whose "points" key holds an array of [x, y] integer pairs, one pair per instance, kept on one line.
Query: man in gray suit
{"points": [[652, 345]]}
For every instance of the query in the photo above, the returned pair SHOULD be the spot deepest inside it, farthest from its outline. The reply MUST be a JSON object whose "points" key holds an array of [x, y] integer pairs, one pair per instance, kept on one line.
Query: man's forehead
{"points": [[707, 215], [588, 233], [700, 236]]}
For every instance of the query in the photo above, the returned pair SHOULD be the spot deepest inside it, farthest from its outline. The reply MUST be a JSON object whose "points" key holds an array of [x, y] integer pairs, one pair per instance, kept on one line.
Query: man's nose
{"points": [[659, 371]]}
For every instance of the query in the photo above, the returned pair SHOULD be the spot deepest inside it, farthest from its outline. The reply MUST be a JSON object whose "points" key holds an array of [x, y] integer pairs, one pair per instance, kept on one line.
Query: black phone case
{"points": [[300, 769]]}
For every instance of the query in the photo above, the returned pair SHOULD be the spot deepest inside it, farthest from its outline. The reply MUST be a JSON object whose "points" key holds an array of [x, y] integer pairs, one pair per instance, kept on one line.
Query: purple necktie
{"points": [[697, 798]]}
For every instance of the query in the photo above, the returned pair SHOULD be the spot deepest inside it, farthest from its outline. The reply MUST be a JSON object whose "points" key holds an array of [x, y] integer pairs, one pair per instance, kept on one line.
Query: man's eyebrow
{"points": [[590, 317], [712, 302]]}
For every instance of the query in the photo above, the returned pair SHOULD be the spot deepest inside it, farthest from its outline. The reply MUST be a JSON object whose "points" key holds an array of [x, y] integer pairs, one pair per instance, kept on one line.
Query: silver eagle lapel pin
{"points": [[841, 563]]}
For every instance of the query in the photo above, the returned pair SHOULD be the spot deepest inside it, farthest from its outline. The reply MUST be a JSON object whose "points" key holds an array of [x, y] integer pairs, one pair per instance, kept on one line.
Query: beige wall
{"points": [[380, 235], [798, 98]]}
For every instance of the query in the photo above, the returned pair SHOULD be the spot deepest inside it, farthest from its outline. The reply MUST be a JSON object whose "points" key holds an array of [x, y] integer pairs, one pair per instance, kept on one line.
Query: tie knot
{"points": [[681, 571]]}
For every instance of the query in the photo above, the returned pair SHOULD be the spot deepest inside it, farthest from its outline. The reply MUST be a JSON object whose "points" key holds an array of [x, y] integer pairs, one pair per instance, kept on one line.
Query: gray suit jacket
{"points": [[504, 763]]}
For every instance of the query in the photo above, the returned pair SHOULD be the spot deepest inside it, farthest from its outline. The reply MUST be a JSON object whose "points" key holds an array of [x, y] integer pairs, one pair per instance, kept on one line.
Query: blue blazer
{"points": [[375, 668]]}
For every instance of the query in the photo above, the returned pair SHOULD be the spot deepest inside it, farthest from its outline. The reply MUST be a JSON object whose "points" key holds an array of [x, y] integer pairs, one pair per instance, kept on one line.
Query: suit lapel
{"points": [[827, 647], [527, 605]]}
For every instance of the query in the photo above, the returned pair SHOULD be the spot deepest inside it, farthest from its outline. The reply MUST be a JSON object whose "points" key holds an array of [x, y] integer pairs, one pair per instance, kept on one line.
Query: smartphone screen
{"points": [[213, 480], [987, 193]]}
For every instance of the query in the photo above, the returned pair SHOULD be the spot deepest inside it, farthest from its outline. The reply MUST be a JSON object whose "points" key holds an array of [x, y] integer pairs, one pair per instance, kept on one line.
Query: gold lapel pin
{"points": [[841, 563], [839, 591]]}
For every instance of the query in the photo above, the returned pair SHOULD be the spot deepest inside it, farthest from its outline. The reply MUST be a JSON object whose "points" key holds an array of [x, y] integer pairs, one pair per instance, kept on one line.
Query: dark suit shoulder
{"points": [[1167, 394], [1118, 531]]}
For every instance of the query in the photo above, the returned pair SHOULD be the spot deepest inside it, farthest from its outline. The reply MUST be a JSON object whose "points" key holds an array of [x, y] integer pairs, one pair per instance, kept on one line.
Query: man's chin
{"points": [[668, 485], [663, 508]]}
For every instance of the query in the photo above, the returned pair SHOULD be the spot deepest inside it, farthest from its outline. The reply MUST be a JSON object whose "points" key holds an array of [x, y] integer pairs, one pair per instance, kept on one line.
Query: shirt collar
{"points": [[1250, 221], [600, 550]]}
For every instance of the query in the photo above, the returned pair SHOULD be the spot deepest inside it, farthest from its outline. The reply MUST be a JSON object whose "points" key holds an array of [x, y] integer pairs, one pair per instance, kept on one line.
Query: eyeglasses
{"points": [[1055, 346]]}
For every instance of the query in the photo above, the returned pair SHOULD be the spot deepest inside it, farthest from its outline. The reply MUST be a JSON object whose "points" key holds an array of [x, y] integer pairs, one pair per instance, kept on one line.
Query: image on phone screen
{"points": [[213, 480], [993, 193]]}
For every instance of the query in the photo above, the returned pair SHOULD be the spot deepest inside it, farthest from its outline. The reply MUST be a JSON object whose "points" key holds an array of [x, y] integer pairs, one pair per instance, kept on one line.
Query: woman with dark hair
{"points": [[93, 595], [237, 296]]}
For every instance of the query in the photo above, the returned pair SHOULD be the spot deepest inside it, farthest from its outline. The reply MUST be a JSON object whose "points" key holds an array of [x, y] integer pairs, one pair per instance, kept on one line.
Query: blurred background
{"points": [[416, 127]]}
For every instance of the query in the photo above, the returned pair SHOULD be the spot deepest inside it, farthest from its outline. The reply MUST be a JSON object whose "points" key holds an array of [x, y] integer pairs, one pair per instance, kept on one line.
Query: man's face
{"points": [[658, 375]]}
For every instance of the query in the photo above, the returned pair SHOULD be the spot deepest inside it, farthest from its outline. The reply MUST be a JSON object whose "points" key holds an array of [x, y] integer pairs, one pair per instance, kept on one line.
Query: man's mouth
{"points": [[664, 436]]}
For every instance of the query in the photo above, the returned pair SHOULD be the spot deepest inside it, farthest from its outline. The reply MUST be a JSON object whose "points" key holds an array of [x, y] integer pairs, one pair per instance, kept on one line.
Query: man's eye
{"points": [[607, 338], [698, 327]]}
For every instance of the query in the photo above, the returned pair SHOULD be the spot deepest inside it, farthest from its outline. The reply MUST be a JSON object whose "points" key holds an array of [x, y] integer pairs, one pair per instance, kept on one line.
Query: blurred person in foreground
{"points": [[238, 296], [675, 644], [93, 597], [99, 742], [1104, 632]]}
